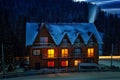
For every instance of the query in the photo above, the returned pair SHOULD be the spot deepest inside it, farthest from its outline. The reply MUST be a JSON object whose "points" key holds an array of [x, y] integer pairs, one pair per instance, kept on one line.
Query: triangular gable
{"points": [[80, 38], [72, 36], [85, 37], [92, 39], [65, 37], [96, 35], [55, 33], [43, 32]]}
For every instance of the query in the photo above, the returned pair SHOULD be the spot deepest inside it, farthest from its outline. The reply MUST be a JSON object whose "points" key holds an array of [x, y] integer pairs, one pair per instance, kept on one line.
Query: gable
{"points": [[43, 33], [65, 39], [79, 39], [92, 39]]}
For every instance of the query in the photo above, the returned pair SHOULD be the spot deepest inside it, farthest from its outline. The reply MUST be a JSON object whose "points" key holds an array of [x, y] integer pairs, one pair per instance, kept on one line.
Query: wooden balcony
{"points": [[82, 55], [65, 45], [92, 44], [42, 45], [79, 45]]}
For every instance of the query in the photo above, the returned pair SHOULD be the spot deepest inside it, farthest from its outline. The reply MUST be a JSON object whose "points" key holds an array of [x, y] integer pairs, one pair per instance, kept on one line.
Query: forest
{"points": [[15, 13]]}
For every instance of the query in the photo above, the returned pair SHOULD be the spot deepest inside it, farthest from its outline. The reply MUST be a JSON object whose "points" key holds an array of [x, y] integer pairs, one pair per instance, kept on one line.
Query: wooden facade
{"points": [[44, 53]]}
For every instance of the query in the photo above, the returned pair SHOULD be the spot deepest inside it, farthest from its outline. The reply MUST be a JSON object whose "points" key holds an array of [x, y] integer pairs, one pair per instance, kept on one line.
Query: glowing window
{"points": [[51, 64], [64, 63], [76, 62], [50, 53], [90, 52], [64, 52], [36, 52]]}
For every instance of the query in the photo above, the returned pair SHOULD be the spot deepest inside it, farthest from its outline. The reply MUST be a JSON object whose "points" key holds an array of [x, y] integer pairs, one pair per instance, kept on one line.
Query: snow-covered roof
{"points": [[31, 32], [58, 30]]}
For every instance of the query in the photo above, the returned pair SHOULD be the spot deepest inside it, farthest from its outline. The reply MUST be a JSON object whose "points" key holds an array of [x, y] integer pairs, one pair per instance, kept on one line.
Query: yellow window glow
{"points": [[66, 63], [50, 53], [76, 62], [64, 52], [90, 52]]}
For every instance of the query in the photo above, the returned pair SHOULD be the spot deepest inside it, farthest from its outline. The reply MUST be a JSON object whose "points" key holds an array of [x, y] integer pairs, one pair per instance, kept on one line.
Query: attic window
{"points": [[64, 40], [43, 39], [91, 41], [77, 40]]}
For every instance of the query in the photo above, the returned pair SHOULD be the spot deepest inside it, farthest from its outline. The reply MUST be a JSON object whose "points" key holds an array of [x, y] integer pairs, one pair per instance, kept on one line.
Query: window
{"points": [[43, 39], [64, 63], [77, 40], [91, 42], [76, 62], [51, 64], [64, 52], [50, 53], [36, 52], [90, 52], [64, 40], [77, 51]]}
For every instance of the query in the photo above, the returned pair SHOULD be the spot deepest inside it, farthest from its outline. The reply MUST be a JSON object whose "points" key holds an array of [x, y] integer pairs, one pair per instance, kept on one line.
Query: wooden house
{"points": [[62, 45]]}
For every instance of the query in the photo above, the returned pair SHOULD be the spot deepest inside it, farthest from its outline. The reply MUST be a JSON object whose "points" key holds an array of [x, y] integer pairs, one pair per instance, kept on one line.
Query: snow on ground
{"points": [[73, 76]]}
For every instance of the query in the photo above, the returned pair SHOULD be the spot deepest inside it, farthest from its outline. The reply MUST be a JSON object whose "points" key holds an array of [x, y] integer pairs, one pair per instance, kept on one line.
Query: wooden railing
{"points": [[79, 44], [45, 44], [65, 44]]}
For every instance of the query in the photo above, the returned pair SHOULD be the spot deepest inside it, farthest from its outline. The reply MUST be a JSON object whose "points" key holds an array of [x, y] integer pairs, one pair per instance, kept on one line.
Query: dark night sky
{"points": [[111, 6]]}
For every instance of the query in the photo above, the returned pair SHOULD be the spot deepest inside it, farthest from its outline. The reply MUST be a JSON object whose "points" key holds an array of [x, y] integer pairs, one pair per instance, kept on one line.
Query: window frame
{"points": [[51, 63], [50, 53], [76, 62], [35, 52], [43, 40], [77, 52], [64, 63], [78, 40], [64, 52], [91, 52], [65, 41]]}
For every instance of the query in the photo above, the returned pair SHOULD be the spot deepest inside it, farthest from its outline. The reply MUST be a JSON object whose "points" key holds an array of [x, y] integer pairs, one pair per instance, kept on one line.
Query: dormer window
{"points": [[64, 40], [77, 40], [43, 39], [91, 42]]}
